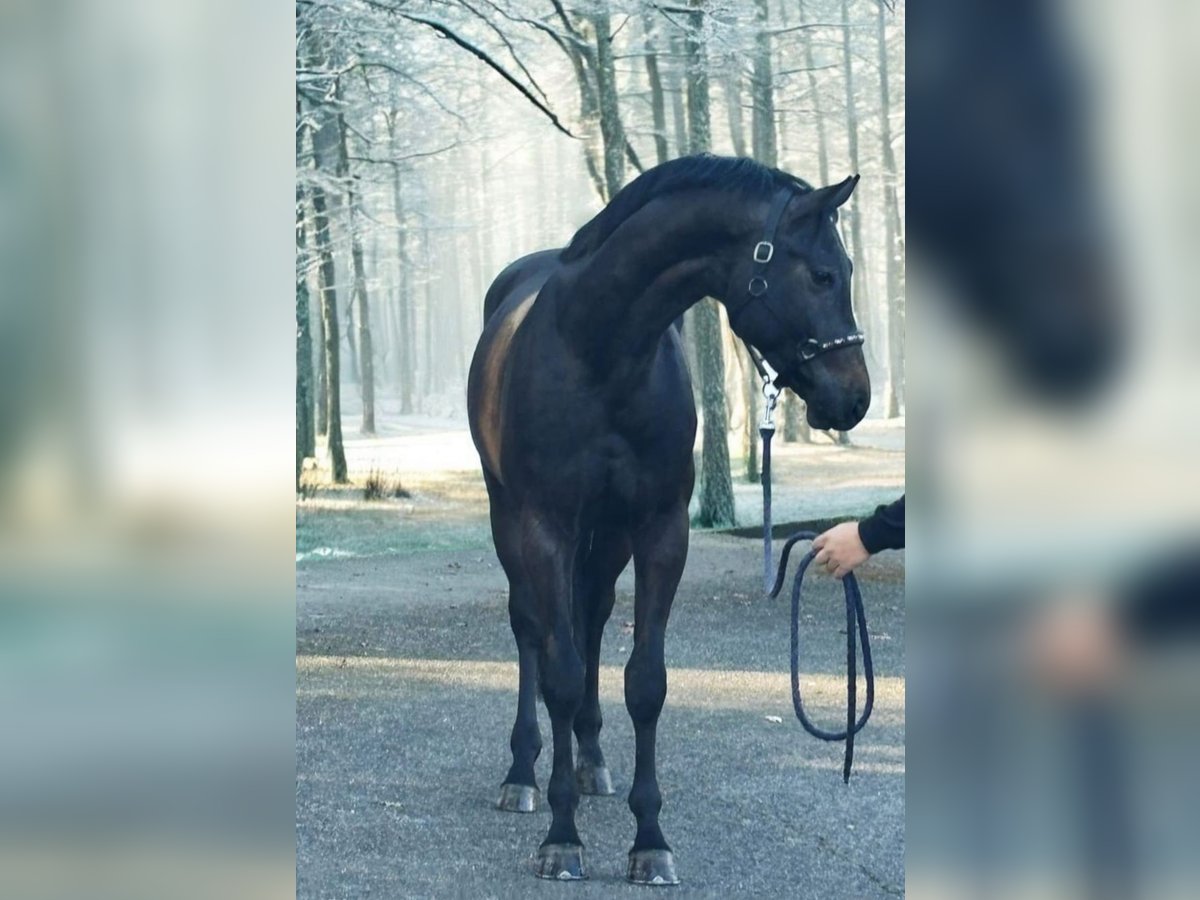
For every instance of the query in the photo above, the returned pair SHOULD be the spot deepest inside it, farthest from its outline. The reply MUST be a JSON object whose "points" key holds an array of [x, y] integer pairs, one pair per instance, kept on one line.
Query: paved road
{"points": [[405, 696]]}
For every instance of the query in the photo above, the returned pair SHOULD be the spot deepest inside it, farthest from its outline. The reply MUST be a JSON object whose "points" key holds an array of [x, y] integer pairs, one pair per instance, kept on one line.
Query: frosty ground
{"points": [[406, 692]]}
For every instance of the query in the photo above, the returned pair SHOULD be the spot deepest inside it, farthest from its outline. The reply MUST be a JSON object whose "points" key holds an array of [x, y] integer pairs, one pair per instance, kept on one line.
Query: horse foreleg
{"points": [[659, 553]]}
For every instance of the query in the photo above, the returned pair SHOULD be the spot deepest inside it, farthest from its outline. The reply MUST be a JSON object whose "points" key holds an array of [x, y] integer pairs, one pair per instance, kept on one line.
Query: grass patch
{"points": [[380, 487], [383, 530]]}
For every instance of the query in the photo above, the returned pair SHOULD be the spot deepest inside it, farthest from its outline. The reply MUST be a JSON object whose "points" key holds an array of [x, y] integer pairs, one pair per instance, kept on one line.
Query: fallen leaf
{"points": [[778, 720]]}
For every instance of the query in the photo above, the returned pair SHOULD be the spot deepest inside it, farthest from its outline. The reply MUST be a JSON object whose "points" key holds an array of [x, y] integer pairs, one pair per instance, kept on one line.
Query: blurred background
{"points": [[146, 527], [1053, 587]]}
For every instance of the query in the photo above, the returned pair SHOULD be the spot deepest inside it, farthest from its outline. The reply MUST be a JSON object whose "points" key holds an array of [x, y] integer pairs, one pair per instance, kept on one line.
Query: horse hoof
{"points": [[560, 862], [656, 867], [594, 780], [518, 798]]}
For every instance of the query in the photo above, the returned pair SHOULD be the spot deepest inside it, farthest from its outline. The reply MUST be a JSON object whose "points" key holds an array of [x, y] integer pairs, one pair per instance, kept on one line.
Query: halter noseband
{"points": [[763, 253]]}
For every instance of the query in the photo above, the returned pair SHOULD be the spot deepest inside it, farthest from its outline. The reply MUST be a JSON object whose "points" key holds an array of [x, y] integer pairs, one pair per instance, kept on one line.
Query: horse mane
{"points": [[739, 174]]}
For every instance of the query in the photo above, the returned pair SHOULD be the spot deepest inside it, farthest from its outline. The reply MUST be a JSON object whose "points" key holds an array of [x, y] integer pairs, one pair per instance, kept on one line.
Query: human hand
{"points": [[1075, 647], [840, 550]]}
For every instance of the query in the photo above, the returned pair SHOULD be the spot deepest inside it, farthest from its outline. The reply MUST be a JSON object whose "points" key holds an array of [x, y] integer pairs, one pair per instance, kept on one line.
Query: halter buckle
{"points": [[757, 286], [763, 251]]}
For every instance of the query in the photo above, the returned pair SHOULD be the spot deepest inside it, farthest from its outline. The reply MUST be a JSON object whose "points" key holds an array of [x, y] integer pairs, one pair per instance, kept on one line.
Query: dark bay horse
{"points": [[581, 408]]}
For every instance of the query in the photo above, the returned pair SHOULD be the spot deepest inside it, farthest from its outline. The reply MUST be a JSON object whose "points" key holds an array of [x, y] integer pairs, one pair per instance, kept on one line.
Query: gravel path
{"points": [[406, 680]]}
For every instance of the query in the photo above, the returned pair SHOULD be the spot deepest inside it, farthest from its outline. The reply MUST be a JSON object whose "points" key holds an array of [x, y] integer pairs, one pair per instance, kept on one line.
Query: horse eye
{"points": [[821, 278]]}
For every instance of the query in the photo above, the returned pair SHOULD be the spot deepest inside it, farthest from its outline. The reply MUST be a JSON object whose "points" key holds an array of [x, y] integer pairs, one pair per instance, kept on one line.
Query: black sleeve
{"points": [[1161, 602], [884, 528]]}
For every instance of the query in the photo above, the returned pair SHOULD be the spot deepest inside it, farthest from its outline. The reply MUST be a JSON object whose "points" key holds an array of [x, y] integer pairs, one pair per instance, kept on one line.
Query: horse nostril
{"points": [[860, 407]]}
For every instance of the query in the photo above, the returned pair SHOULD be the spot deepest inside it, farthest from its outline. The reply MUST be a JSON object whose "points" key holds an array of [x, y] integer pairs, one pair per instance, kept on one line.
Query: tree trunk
{"points": [[337, 453], [893, 390], [750, 383], [366, 352], [427, 317], [361, 360], [762, 94], [404, 343], [815, 91], [795, 425], [733, 107], [305, 437], [716, 483], [322, 372], [611, 130], [678, 90], [658, 106], [351, 371], [583, 60], [850, 210]]}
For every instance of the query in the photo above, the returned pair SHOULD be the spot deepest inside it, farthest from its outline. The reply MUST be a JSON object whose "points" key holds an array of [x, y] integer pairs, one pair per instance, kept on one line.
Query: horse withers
{"points": [[581, 408]]}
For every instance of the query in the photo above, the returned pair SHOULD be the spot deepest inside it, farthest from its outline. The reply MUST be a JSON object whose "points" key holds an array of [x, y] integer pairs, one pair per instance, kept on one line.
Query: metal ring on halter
{"points": [[753, 287]]}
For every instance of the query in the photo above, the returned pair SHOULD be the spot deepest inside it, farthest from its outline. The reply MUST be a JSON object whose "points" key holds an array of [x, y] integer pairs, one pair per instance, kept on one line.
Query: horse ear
{"points": [[833, 196], [826, 200]]}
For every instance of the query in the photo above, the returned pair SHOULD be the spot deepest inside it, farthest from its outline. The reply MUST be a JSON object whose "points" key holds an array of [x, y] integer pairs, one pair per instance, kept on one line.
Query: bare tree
{"points": [[403, 322], [611, 129], [362, 359], [324, 141], [305, 436], [658, 108], [893, 390], [716, 484], [762, 91], [851, 209]]}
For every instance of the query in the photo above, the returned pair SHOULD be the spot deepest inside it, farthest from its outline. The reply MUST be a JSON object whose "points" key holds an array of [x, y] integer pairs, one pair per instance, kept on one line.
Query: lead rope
{"points": [[856, 618]]}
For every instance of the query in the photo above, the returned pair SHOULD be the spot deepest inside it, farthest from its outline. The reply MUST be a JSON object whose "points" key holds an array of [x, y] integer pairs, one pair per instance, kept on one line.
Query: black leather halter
{"points": [[757, 287]]}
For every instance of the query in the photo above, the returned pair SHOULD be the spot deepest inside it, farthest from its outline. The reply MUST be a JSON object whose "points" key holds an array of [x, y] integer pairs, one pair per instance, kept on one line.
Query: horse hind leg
{"points": [[660, 549], [594, 598], [549, 557], [519, 792]]}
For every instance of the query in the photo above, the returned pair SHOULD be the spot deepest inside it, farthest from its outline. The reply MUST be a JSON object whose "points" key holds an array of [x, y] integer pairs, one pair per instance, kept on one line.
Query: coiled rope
{"points": [[856, 619]]}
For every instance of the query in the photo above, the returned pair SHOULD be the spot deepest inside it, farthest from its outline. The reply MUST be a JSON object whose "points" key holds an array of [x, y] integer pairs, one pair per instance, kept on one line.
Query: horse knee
{"points": [[523, 621], [562, 678], [645, 686]]}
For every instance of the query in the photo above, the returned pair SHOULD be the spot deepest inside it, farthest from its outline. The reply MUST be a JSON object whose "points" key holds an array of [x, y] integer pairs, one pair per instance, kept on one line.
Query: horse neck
{"points": [[657, 264]]}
